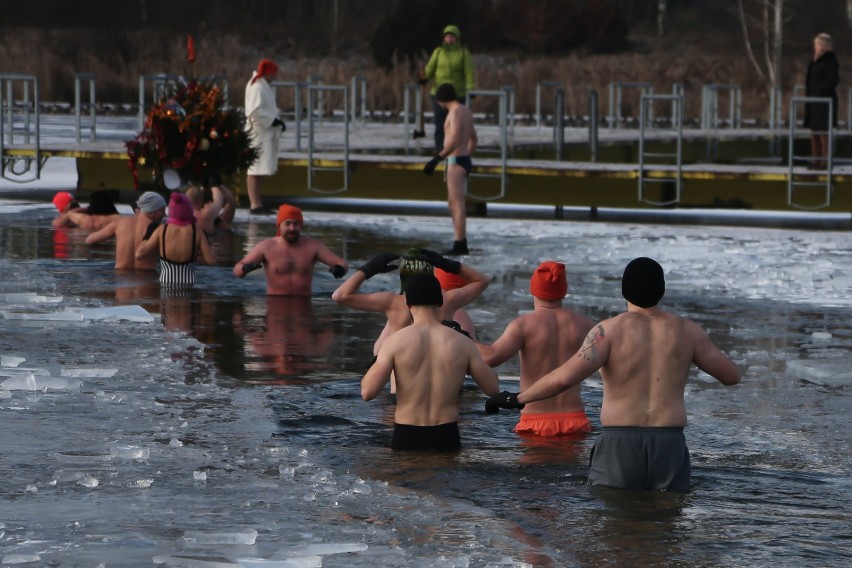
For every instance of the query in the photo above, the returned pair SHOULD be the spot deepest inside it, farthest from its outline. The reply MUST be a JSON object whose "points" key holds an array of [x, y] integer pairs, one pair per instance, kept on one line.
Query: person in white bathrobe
{"points": [[264, 129]]}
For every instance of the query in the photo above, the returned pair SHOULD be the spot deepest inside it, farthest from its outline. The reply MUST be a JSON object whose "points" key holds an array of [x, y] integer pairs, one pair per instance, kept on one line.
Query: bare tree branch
{"points": [[747, 40]]}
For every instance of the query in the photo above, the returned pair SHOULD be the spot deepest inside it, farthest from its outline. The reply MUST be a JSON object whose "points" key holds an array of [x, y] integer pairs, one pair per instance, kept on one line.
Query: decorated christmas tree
{"points": [[191, 132]]}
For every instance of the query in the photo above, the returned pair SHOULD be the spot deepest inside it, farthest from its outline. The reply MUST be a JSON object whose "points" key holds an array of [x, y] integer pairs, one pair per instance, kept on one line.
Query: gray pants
{"points": [[641, 458]]}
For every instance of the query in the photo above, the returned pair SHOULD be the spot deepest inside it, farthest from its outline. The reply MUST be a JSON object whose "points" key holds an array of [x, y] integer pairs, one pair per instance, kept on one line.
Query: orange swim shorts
{"points": [[553, 424]]}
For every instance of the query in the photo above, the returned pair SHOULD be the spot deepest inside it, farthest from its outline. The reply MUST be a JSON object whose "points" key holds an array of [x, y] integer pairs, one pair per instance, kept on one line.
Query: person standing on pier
{"points": [[450, 63], [459, 145], [265, 130], [821, 81]]}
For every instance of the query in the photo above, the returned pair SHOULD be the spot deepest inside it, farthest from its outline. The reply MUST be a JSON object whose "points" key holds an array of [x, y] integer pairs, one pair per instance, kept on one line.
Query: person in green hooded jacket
{"points": [[449, 63]]}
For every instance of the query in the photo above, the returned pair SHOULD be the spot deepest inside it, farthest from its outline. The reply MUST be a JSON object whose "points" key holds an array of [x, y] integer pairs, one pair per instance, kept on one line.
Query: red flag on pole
{"points": [[190, 48]]}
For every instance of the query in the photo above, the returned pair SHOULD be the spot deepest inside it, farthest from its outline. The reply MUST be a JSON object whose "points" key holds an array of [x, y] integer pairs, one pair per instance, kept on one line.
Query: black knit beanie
{"points": [[643, 283]]}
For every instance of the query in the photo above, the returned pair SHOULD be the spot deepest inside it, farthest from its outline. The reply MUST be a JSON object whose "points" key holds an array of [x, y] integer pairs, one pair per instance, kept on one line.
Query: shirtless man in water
{"points": [[459, 144], [545, 338], [430, 361], [644, 356], [130, 230], [289, 258], [393, 304]]}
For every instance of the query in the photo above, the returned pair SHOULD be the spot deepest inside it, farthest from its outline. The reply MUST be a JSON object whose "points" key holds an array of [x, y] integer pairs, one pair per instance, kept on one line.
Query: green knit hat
{"points": [[412, 262]]}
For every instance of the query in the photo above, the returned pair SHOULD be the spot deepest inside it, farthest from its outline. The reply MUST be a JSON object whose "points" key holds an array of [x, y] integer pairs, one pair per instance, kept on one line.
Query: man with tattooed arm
{"points": [[644, 356]]}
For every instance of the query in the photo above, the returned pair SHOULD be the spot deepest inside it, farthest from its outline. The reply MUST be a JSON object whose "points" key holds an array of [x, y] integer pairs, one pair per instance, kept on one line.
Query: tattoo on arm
{"points": [[589, 350]]}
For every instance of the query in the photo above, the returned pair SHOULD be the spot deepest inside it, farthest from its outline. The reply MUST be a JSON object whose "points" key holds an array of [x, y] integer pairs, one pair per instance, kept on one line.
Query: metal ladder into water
{"points": [[15, 118], [797, 179], [646, 124]]}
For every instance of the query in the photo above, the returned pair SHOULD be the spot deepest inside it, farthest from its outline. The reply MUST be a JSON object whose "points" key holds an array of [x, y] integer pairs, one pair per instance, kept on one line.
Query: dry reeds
{"points": [[118, 59]]}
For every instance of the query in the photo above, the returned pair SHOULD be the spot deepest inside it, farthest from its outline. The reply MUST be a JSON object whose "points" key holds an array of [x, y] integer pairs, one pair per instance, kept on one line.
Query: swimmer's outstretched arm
{"points": [[506, 346]]}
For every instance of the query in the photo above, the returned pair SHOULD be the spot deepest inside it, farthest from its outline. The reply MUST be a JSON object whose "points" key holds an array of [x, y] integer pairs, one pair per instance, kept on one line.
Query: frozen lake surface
{"points": [[225, 428]]}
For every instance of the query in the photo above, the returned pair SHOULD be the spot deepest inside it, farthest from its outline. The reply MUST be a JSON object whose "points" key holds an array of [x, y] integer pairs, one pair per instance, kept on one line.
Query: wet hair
{"points": [[446, 93]]}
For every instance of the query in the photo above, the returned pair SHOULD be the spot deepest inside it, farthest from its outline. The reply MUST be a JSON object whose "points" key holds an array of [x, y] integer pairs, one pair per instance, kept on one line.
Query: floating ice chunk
{"points": [[20, 558], [52, 316], [821, 372], [286, 470], [115, 313], [821, 335], [361, 488], [296, 562], [245, 536], [87, 372], [129, 452], [325, 548], [5, 394], [141, 483], [175, 443], [199, 475], [88, 481], [193, 562], [31, 382], [31, 488], [10, 361]]}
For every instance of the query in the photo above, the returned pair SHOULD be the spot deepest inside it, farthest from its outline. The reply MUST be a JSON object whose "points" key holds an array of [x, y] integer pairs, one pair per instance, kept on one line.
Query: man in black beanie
{"points": [[430, 361], [644, 356]]}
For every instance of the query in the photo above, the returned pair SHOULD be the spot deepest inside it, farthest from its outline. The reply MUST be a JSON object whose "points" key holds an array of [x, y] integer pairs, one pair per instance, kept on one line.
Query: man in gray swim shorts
{"points": [[644, 356]]}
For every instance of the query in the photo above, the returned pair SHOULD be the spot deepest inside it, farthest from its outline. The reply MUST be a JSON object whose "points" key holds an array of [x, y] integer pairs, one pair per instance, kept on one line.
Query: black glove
{"points": [[279, 122], [430, 166], [438, 261], [251, 267], [152, 226], [422, 81], [505, 399], [337, 271], [379, 264]]}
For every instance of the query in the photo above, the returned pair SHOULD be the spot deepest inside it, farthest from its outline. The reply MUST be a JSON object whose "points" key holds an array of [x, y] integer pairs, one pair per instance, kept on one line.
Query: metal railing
{"points": [[616, 99], [298, 88], [79, 80], [162, 85], [710, 118], [410, 115], [646, 124], [15, 118], [502, 97], [359, 99], [316, 92], [798, 179], [540, 86]]}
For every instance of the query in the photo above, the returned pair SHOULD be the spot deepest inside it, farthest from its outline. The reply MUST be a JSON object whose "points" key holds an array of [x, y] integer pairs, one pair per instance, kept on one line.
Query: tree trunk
{"points": [[661, 17]]}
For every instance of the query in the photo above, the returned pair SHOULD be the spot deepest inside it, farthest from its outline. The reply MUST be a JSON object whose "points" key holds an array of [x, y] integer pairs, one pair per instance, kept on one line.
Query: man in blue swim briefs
{"points": [[430, 361], [644, 356], [459, 144]]}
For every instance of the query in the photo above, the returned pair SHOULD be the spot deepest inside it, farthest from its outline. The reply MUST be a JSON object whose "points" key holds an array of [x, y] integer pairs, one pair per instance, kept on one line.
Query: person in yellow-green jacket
{"points": [[449, 63]]}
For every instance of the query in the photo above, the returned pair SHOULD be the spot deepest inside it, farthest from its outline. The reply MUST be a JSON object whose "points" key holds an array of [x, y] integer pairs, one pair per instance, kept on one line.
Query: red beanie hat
{"points": [[62, 200], [288, 212], [448, 280], [265, 68], [549, 282]]}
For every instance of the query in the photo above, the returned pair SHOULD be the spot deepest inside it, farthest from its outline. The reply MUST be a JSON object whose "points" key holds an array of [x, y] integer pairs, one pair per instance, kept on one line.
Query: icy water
{"points": [[225, 428]]}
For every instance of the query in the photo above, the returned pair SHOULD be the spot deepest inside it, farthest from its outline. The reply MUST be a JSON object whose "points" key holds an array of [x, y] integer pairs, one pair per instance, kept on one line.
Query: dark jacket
{"points": [[821, 81]]}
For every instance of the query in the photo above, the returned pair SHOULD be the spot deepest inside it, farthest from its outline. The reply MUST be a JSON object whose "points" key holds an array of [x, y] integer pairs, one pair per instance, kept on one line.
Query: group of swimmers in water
{"points": [[428, 345]]}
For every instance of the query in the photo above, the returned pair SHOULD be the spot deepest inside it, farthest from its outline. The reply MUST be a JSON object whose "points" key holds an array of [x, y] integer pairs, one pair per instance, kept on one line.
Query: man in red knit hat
{"points": [[288, 258], [545, 338]]}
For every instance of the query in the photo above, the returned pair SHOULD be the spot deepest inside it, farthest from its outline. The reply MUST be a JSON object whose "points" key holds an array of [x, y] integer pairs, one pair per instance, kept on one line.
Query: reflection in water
{"points": [[289, 342]]}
